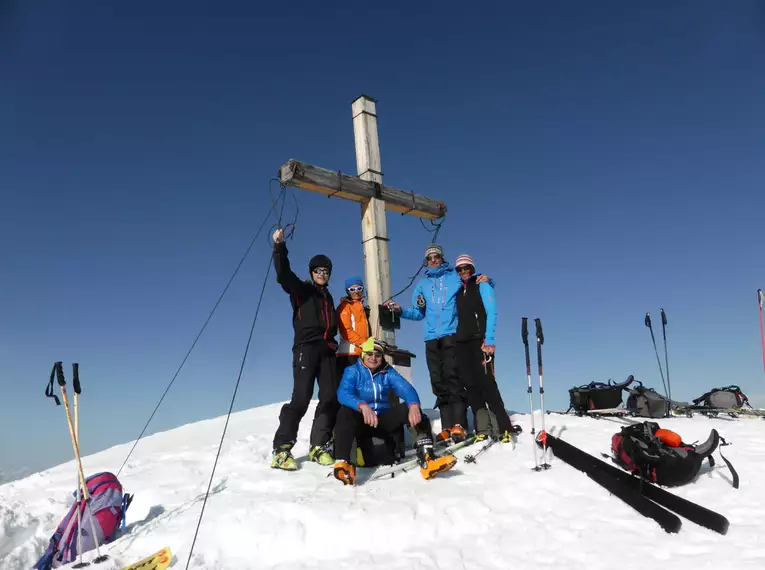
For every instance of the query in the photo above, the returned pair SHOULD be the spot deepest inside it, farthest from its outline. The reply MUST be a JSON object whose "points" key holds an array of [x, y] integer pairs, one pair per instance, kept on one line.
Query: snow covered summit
{"points": [[495, 513]]}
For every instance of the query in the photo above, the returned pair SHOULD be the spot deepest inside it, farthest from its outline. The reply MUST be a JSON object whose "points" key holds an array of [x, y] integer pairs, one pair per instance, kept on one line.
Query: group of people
{"points": [[356, 384]]}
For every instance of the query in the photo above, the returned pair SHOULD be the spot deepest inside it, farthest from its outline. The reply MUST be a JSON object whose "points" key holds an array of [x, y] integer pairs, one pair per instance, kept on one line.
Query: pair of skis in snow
{"points": [[648, 499]]}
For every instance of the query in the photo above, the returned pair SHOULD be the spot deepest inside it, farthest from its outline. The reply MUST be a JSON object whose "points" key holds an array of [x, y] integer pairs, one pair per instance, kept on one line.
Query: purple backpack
{"points": [[108, 504]]}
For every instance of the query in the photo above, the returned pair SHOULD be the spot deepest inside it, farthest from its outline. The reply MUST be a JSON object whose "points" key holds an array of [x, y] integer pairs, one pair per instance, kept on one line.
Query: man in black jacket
{"points": [[313, 358], [476, 324]]}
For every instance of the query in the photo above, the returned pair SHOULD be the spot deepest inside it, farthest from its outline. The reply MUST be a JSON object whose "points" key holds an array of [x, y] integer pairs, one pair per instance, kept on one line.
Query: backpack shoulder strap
{"points": [[126, 500]]}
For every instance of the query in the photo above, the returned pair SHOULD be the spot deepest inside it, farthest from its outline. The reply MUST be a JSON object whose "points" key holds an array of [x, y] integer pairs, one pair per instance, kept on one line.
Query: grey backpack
{"points": [[647, 402], [723, 398]]}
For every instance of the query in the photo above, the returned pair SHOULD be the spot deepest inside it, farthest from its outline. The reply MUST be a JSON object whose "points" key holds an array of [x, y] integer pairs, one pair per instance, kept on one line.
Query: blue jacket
{"points": [[359, 385], [433, 299]]}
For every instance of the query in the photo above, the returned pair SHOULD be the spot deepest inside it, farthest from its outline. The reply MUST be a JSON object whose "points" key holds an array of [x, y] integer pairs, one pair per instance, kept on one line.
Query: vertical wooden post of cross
{"points": [[374, 230]]}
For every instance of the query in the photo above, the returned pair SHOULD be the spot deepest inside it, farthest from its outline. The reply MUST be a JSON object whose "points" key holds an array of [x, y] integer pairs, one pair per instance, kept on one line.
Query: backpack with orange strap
{"points": [[660, 455]]}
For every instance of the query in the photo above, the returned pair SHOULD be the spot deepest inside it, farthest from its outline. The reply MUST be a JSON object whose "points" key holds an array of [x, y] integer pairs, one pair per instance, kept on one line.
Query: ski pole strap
{"points": [[648, 320], [525, 330], [540, 334], [663, 317], [76, 377], [49, 388]]}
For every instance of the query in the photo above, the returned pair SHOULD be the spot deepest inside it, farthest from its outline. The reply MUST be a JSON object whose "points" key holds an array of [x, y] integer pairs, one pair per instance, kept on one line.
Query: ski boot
{"points": [[509, 436], [458, 433], [321, 455], [282, 458], [443, 437], [430, 465], [345, 472], [481, 437]]}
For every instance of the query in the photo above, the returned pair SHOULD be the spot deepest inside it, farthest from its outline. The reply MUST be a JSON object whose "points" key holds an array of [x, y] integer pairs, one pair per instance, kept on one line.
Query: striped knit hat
{"points": [[464, 259], [434, 248]]}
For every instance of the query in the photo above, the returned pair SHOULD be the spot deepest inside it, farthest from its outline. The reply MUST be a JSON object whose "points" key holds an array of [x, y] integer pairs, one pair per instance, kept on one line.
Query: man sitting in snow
{"points": [[365, 411]]}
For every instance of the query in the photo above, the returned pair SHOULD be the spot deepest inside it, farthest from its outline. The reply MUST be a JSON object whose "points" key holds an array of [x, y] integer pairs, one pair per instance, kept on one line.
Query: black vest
{"points": [[471, 314]]}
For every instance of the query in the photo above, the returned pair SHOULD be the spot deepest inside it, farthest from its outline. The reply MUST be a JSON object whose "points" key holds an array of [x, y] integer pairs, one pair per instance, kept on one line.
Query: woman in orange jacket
{"points": [[352, 323]]}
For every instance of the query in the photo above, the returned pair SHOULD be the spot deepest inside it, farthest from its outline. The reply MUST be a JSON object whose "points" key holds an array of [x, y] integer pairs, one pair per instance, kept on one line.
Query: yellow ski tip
{"points": [[157, 561]]}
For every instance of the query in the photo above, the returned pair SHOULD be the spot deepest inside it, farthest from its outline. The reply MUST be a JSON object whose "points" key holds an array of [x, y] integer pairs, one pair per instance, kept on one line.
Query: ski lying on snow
{"points": [[647, 498], [157, 561], [412, 463]]}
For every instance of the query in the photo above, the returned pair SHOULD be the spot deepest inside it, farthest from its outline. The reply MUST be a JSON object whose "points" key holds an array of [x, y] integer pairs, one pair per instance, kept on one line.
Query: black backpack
{"points": [[647, 402], [597, 396], [373, 451], [723, 398], [637, 449]]}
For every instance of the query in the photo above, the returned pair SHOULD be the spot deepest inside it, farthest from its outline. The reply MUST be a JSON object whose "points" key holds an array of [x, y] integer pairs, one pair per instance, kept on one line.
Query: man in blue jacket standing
{"points": [[365, 410], [434, 299]]}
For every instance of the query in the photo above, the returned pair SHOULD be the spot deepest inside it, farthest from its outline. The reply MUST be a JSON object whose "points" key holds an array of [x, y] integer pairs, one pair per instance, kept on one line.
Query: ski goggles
{"points": [[355, 289]]}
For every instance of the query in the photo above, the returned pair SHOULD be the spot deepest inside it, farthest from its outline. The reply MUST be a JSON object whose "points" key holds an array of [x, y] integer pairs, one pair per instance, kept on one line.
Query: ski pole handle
{"points": [[60, 374], [525, 330], [540, 334], [648, 320], [76, 377], [663, 317]]}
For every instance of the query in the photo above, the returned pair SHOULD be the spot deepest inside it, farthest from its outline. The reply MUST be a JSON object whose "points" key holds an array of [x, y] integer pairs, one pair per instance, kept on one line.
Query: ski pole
{"points": [[59, 371], [540, 342], [761, 301], [525, 337], [77, 390], [656, 350], [666, 359]]}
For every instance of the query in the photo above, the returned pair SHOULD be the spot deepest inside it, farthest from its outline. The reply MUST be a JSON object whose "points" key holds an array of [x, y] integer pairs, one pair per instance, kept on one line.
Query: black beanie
{"points": [[319, 261]]}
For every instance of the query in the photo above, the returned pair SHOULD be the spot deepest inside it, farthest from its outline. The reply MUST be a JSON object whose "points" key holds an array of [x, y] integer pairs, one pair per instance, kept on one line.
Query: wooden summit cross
{"points": [[367, 189]]}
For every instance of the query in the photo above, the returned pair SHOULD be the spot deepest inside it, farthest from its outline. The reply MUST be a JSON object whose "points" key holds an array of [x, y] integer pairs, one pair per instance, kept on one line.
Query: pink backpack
{"points": [[108, 504]]}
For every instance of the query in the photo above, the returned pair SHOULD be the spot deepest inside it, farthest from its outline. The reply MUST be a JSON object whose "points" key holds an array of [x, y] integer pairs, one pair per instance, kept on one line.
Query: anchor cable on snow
{"points": [[233, 397], [274, 203]]}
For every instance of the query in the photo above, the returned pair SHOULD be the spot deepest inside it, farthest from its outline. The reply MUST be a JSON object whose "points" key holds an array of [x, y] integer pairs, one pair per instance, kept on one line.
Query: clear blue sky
{"points": [[598, 161]]}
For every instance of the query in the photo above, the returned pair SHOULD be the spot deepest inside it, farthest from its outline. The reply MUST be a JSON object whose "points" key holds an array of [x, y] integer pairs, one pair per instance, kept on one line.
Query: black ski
{"points": [[648, 491], [584, 462]]}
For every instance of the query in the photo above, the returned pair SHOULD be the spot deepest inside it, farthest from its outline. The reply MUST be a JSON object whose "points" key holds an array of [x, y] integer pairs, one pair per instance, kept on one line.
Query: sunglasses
{"points": [[355, 289], [434, 257], [376, 354], [464, 269], [321, 271]]}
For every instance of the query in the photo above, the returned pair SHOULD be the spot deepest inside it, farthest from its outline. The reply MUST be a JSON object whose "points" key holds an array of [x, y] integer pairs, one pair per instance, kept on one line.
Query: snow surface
{"points": [[496, 513]]}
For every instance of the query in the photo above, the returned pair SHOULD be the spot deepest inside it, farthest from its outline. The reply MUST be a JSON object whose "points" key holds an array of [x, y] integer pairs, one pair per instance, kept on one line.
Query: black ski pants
{"points": [[482, 389], [311, 361], [350, 425], [448, 387], [344, 362]]}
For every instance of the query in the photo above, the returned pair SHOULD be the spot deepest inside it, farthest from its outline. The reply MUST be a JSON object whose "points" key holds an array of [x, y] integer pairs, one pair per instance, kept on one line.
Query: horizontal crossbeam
{"points": [[336, 184]]}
